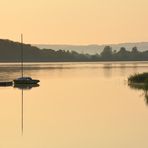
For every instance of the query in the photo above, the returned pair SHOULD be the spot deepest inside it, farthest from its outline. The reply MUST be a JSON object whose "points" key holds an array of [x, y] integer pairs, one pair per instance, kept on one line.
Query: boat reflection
{"points": [[143, 87], [25, 86]]}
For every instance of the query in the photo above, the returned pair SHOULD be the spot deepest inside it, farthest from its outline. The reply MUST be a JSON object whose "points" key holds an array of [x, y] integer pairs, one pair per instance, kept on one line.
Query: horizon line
{"points": [[72, 44], [91, 44]]}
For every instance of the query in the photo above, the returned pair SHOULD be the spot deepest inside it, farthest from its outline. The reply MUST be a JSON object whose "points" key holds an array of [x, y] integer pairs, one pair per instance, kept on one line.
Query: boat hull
{"points": [[26, 82]]}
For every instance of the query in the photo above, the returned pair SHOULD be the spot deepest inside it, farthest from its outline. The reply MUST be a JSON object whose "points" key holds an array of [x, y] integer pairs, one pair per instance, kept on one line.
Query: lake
{"points": [[77, 105]]}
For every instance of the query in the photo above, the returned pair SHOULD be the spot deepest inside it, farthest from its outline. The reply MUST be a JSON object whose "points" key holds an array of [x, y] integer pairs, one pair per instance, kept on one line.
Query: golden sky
{"points": [[74, 21]]}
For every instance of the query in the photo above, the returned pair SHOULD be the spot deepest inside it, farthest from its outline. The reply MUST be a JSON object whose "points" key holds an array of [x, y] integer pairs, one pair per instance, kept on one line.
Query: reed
{"points": [[139, 78]]}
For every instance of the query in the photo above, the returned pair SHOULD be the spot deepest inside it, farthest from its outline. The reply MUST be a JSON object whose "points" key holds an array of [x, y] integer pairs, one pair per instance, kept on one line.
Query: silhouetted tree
{"points": [[135, 50], [135, 54], [122, 54], [107, 52]]}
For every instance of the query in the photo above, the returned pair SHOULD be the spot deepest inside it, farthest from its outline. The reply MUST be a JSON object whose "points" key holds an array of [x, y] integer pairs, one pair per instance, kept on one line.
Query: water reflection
{"points": [[24, 87], [9, 71], [22, 112], [107, 70], [143, 87], [77, 111]]}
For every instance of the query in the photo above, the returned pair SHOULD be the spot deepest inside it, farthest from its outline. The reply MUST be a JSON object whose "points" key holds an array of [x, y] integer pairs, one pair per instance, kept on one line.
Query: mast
{"points": [[22, 69]]}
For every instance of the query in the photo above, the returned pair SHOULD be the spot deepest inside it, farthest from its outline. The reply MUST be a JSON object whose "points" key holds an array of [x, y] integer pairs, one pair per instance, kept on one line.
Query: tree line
{"points": [[123, 54], [11, 52]]}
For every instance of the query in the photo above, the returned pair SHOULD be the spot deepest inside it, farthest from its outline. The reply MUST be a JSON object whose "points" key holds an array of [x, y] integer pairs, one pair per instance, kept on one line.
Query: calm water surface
{"points": [[77, 105]]}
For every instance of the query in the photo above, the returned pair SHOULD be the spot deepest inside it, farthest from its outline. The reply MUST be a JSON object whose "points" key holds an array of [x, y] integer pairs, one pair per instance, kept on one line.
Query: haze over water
{"points": [[77, 105]]}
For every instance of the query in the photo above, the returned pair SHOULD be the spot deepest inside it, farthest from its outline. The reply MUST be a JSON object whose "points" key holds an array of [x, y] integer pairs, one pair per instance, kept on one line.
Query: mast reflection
{"points": [[24, 87]]}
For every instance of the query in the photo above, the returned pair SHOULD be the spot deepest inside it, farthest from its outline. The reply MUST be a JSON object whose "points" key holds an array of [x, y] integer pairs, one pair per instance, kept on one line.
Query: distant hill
{"points": [[93, 49], [10, 51]]}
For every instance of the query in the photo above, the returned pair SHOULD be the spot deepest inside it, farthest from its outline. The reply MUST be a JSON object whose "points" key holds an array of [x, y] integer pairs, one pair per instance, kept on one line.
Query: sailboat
{"points": [[24, 80]]}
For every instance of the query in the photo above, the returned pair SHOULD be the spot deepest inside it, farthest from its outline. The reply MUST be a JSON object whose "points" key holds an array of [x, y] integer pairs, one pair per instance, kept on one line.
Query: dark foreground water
{"points": [[77, 105]]}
